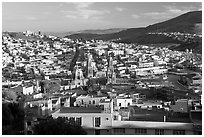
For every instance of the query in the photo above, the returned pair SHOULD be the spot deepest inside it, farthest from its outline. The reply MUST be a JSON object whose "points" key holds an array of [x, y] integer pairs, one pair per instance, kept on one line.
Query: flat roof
{"points": [[150, 124], [80, 110]]}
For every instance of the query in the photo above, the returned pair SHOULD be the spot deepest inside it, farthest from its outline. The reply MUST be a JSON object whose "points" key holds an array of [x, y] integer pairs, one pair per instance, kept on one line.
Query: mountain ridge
{"points": [[182, 23], [185, 24]]}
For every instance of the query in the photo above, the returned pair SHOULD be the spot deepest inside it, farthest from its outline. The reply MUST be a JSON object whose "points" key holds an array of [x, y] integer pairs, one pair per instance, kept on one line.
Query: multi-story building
{"points": [[91, 119], [97, 123]]}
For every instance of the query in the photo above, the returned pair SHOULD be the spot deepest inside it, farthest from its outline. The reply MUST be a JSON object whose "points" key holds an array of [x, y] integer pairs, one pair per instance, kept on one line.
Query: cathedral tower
{"points": [[89, 66], [111, 76]]}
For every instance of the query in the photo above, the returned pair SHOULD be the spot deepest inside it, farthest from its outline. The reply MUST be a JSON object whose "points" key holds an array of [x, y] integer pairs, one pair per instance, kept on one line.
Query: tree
{"points": [[59, 126], [25, 56], [12, 118], [102, 81]]}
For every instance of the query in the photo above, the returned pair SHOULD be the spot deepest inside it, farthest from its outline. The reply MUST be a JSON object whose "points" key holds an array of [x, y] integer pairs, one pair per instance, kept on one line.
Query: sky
{"points": [[74, 16]]}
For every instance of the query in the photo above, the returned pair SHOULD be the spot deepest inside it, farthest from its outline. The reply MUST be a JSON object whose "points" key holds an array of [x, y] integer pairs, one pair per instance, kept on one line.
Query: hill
{"points": [[188, 23], [102, 31], [94, 31], [183, 23]]}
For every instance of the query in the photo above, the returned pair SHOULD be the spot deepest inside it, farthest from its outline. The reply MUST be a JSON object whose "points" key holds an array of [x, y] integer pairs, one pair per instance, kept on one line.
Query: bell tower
{"points": [[89, 66], [111, 76], [79, 77]]}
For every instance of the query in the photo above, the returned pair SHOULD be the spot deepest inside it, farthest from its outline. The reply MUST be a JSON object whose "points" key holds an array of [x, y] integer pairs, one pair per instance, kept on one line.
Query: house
{"points": [[90, 118], [197, 80], [88, 100], [97, 123], [100, 74], [149, 104], [28, 90], [138, 97], [107, 105], [180, 106], [122, 102]]}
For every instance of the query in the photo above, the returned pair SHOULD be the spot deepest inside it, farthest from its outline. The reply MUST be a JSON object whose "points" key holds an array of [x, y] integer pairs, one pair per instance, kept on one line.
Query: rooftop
{"points": [[150, 124], [80, 110]]}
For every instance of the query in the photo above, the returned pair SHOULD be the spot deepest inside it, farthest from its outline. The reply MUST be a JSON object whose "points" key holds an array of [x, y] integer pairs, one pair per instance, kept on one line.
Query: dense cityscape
{"points": [[55, 85], [119, 83]]}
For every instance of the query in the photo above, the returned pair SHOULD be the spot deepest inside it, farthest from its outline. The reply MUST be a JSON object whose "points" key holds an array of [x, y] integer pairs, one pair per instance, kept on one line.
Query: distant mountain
{"points": [[183, 23], [94, 31], [102, 31], [189, 23]]}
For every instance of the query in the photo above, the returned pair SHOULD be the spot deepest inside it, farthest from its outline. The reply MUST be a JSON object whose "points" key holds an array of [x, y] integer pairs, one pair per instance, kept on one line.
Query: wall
{"points": [[124, 102], [88, 119], [87, 100], [131, 131]]}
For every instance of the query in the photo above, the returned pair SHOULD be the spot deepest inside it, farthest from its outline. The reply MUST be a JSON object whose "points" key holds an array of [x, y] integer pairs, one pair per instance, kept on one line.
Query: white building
{"points": [[88, 100], [91, 119], [122, 102], [197, 80], [97, 123], [151, 128], [146, 64], [150, 71], [28, 90]]}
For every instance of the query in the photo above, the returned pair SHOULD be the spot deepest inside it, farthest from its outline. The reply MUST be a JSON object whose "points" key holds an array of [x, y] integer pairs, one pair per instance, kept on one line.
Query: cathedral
{"points": [[111, 76], [89, 66], [79, 78]]}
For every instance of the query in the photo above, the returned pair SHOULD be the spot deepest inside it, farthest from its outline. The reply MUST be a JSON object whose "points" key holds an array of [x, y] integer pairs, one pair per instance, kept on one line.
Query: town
{"points": [[108, 88]]}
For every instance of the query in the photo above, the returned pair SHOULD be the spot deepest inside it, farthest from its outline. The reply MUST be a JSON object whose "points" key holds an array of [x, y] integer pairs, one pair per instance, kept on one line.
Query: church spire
{"points": [[89, 65]]}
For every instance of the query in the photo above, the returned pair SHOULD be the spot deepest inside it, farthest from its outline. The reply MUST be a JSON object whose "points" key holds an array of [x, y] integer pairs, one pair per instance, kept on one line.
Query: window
{"points": [[71, 119], [119, 104], [128, 104], [78, 121], [89, 102], [119, 130], [93, 101], [28, 123], [159, 131], [140, 131], [178, 132], [97, 122], [106, 118]]}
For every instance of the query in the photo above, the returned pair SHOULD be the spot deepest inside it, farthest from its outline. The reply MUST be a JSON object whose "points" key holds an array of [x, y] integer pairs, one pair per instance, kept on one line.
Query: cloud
{"points": [[46, 13], [119, 9], [83, 4], [31, 18], [158, 15], [182, 9], [175, 10], [71, 16], [83, 11], [135, 16], [171, 11]]}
